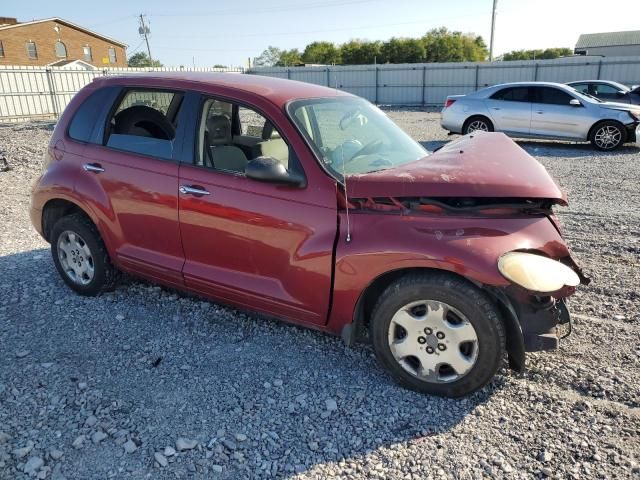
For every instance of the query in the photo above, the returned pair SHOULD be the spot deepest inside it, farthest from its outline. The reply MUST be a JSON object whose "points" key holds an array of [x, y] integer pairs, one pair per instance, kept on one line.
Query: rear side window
{"points": [[145, 122], [85, 117], [552, 96], [582, 87], [512, 94]]}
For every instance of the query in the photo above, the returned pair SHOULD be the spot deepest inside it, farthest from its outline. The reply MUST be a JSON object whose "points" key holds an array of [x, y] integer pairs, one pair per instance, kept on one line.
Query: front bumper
{"points": [[633, 132]]}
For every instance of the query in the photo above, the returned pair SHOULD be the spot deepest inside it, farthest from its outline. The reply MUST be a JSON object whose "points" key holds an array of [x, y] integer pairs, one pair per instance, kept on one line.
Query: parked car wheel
{"points": [[437, 334], [607, 135], [81, 257], [477, 123]]}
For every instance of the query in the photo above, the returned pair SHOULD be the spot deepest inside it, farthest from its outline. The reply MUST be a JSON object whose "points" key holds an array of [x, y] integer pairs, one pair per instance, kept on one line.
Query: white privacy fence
{"points": [[430, 83], [32, 93], [39, 93]]}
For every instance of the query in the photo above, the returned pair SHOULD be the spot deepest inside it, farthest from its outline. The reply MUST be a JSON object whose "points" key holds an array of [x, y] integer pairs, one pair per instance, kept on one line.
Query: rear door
{"points": [[553, 116], [253, 244], [133, 170], [510, 109]]}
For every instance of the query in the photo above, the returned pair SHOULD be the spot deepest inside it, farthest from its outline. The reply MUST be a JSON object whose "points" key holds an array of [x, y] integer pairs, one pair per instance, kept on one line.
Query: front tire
{"points": [[607, 136], [477, 123], [81, 257], [437, 334]]}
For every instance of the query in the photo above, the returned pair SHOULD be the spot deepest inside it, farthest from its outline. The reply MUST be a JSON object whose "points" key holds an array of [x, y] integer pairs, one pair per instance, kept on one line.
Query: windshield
{"points": [[352, 136]]}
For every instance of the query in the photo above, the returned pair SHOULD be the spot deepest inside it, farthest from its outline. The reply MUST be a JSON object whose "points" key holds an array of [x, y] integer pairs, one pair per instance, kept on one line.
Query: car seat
{"points": [[221, 153]]}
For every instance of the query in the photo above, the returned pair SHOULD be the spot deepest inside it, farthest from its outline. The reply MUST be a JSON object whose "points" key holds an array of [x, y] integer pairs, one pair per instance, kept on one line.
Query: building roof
{"points": [[67, 23], [608, 39], [277, 90]]}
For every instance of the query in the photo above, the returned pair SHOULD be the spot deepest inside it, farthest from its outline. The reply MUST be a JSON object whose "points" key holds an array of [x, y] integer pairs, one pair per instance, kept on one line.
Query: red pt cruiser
{"points": [[309, 204]]}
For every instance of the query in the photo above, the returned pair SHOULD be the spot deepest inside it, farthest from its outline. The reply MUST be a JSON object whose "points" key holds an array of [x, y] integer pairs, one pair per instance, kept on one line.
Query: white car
{"points": [[543, 110]]}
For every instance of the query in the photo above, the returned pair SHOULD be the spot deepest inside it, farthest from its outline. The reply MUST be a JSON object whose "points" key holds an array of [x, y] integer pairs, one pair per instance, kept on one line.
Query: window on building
{"points": [[61, 50], [112, 55], [87, 56], [1, 49], [32, 51]]}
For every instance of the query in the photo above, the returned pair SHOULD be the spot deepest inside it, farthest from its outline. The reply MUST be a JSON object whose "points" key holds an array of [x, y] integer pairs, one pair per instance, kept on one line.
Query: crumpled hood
{"points": [[477, 165]]}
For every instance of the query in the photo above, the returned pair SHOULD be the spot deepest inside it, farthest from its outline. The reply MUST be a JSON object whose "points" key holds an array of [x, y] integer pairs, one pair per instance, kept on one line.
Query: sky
{"points": [[199, 33]]}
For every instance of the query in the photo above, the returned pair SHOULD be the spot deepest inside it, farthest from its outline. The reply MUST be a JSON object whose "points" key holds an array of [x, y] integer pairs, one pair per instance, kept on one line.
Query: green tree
{"points": [[538, 54], [268, 58], [360, 52], [403, 50], [289, 58], [321, 52], [442, 45], [141, 59]]}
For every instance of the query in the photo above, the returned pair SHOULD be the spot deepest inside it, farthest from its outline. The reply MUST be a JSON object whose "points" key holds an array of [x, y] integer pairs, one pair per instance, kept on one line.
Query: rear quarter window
{"points": [[84, 119]]}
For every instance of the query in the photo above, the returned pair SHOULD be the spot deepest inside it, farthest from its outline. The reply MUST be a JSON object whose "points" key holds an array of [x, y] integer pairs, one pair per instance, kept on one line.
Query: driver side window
{"points": [[231, 135]]}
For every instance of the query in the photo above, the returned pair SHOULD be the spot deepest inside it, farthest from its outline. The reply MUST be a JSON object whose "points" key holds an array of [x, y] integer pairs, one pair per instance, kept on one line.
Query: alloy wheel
{"points": [[477, 125], [75, 258], [608, 137], [433, 341]]}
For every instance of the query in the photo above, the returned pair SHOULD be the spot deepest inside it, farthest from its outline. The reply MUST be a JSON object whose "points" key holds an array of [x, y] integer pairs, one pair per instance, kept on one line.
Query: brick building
{"points": [[42, 42]]}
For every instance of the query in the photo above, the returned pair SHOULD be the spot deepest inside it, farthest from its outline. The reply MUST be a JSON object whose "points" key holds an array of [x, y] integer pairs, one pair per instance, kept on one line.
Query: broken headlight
{"points": [[536, 273]]}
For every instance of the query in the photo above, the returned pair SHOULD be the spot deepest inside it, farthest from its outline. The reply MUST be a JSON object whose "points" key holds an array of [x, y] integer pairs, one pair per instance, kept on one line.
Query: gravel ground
{"points": [[147, 383]]}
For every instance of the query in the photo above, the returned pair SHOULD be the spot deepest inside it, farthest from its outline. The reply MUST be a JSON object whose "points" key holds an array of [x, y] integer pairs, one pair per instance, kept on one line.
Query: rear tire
{"points": [[452, 346], [608, 135], [477, 123], [81, 257]]}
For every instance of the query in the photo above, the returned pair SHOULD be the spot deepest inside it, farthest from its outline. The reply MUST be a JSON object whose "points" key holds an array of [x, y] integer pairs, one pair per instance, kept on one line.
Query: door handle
{"points": [[190, 190], [495, 108], [539, 112], [93, 167]]}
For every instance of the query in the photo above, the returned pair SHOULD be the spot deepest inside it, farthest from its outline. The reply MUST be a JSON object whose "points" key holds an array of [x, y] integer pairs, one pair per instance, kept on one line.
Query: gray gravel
{"points": [[146, 382]]}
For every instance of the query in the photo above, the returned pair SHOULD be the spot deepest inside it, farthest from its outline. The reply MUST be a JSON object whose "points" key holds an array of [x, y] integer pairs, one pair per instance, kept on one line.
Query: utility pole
{"points": [[493, 27], [144, 31]]}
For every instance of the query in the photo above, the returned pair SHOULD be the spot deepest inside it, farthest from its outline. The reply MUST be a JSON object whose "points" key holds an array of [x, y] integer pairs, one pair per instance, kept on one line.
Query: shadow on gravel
{"points": [[158, 365]]}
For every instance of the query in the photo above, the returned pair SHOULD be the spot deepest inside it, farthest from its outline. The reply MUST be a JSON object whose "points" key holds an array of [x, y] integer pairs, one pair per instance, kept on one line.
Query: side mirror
{"points": [[620, 93], [268, 169], [574, 102]]}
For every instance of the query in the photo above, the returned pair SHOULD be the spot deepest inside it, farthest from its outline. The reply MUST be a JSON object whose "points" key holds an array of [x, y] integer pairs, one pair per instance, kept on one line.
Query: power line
{"points": [[274, 9], [283, 33]]}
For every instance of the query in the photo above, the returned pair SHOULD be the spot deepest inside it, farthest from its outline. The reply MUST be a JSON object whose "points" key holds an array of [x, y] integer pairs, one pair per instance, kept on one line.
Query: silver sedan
{"points": [[543, 110]]}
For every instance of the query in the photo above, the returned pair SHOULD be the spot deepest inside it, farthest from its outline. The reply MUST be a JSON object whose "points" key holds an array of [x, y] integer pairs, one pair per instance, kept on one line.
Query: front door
{"points": [[553, 116], [253, 244]]}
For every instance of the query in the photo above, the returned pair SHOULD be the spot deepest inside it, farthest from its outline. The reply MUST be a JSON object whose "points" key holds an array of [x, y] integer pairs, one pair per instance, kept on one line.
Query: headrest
{"points": [[267, 130], [219, 128]]}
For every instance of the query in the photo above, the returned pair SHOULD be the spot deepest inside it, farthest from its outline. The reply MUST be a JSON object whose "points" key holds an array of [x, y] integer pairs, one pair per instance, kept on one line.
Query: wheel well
{"points": [[484, 117], [369, 297], [54, 210], [600, 122], [359, 329]]}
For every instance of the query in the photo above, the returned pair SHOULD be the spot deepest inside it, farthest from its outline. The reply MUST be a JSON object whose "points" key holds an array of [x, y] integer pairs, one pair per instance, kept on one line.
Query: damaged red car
{"points": [[310, 205]]}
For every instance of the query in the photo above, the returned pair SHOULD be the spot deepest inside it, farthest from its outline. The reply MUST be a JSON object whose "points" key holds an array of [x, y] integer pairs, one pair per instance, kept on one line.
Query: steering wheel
{"points": [[351, 117], [368, 148]]}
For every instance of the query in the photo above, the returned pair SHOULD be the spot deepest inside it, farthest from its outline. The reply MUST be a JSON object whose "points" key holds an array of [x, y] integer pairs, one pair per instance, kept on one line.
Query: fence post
{"points": [[477, 72], [328, 77], [599, 69], [535, 73], [376, 99], [288, 73], [424, 84], [52, 91]]}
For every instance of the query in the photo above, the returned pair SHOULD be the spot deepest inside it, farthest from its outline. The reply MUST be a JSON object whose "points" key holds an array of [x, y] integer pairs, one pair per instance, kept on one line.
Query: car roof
{"points": [[531, 84], [278, 90], [606, 82]]}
